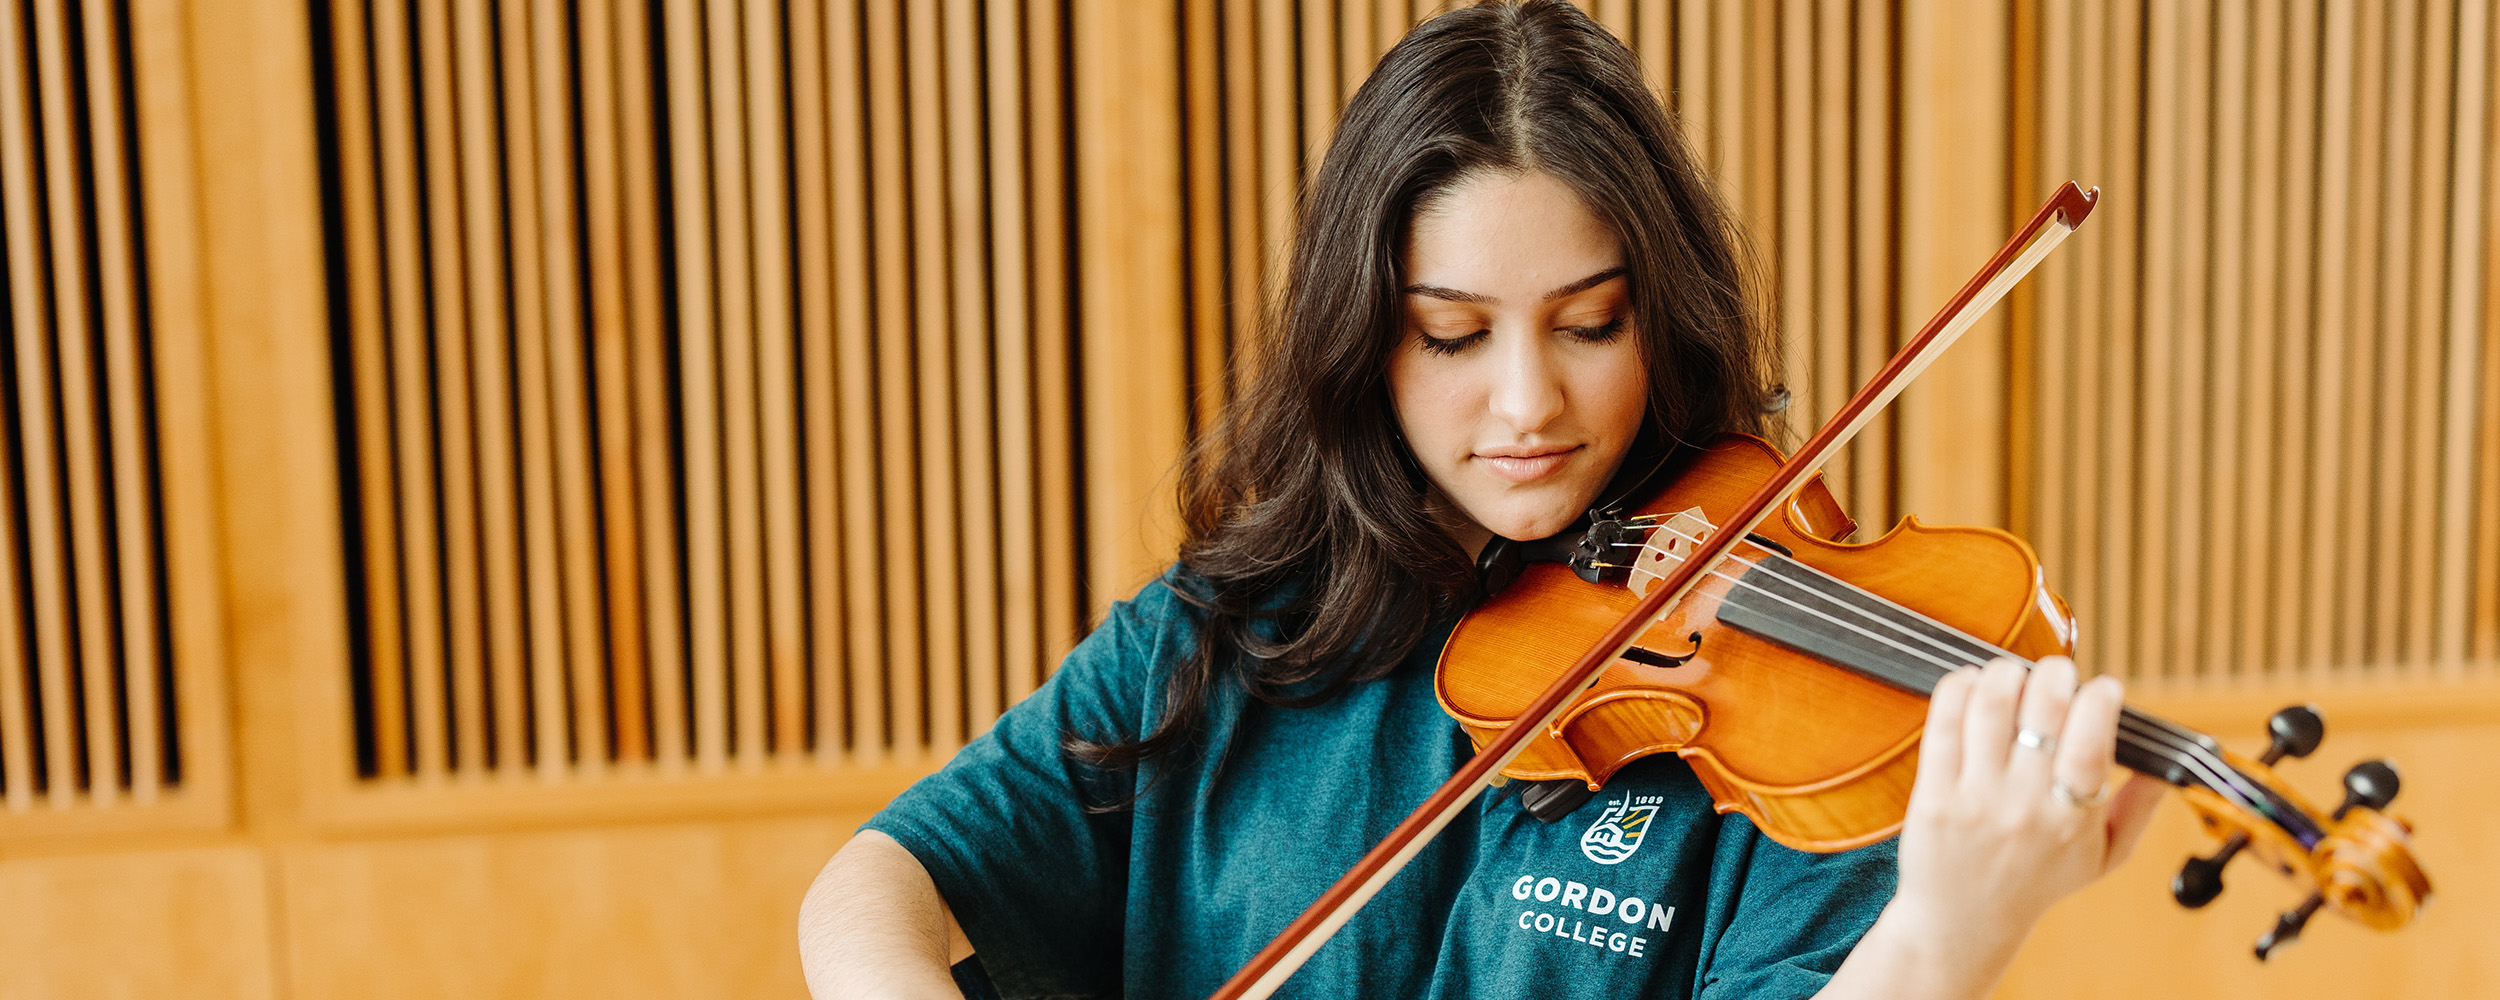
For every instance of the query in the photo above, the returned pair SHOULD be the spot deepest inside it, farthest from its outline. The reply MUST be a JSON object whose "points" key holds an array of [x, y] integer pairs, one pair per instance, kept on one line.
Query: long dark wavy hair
{"points": [[1311, 554]]}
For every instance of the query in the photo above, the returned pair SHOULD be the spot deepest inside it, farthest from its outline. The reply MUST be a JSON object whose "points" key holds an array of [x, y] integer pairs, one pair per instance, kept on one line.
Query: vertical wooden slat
{"points": [[28, 297], [2434, 57], [2336, 191], [2120, 251], [1132, 207], [2055, 45], [2295, 633], [2486, 643], [1279, 180], [1759, 197], [1317, 55], [2259, 290], [1652, 40], [621, 556], [23, 660], [976, 469], [17, 736], [734, 256], [699, 375], [490, 371], [1242, 96], [856, 359], [134, 511], [1828, 144], [1063, 588], [2464, 380], [2388, 616], [2360, 357], [1875, 168], [1728, 121], [370, 346], [2166, 263], [2189, 395], [1354, 49], [934, 366], [542, 609], [1693, 101], [1011, 267], [1203, 169], [586, 655], [768, 158], [82, 441], [663, 621], [433, 419], [819, 399], [2228, 252], [1791, 212], [1616, 15], [2076, 562], [897, 444]]}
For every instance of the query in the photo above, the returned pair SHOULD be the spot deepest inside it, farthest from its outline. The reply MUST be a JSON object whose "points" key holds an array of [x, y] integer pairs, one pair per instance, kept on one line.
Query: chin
{"points": [[1530, 527]]}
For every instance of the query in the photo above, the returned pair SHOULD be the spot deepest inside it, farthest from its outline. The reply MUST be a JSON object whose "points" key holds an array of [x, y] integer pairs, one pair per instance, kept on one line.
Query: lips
{"points": [[1525, 465]]}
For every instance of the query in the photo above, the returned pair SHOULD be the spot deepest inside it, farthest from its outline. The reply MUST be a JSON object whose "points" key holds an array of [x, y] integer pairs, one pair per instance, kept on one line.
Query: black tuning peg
{"points": [[2200, 879], [2294, 732], [2371, 783], [2287, 927]]}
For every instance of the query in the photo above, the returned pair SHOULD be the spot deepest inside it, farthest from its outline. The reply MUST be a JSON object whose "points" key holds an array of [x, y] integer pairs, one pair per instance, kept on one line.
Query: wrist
{"points": [[1955, 952]]}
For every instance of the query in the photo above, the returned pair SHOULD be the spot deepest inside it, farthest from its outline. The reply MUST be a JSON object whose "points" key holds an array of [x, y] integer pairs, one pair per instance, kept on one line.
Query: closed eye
{"points": [[1597, 334], [1449, 345]]}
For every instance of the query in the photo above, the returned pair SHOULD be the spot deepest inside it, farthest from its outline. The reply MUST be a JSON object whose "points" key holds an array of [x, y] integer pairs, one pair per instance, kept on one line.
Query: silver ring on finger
{"points": [[2033, 739], [2067, 795]]}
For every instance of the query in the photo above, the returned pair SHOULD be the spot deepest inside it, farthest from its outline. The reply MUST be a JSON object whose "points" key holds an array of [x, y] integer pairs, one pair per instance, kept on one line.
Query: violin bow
{"points": [[1267, 971]]}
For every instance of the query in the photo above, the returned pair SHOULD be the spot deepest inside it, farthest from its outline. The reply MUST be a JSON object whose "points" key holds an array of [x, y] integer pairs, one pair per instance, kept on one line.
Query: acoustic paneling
{"points": [[2262, 417], [89, 708], [704, 378]]}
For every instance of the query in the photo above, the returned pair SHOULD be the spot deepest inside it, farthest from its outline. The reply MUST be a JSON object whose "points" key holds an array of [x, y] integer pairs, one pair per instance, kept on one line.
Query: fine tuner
{"points": [[2349, 867]]}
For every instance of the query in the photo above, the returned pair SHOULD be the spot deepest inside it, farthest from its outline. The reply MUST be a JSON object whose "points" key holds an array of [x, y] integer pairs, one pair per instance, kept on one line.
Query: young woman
{"points": [[1510, 282]]}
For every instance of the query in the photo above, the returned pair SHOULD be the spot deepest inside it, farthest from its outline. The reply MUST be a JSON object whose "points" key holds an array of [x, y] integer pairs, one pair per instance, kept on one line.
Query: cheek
{"points": [[1432, 401], [1613, 390]]}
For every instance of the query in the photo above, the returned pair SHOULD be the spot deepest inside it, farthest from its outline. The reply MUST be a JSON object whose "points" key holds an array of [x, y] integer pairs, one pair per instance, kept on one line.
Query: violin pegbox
{"points": [[2362, 866], [1669, 544]]}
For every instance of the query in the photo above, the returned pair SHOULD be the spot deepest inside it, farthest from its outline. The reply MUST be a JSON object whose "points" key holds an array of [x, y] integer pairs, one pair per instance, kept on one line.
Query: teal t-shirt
{"points": [[1644, 891]]}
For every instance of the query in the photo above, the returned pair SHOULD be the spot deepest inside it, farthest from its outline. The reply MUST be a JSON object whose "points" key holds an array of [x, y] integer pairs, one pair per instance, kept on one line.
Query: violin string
{"points": [[2173, 746]]}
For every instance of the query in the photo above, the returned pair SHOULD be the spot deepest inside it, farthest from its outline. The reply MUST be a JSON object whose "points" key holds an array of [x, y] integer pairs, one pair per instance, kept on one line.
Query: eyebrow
{"points": [[1454, 295]]}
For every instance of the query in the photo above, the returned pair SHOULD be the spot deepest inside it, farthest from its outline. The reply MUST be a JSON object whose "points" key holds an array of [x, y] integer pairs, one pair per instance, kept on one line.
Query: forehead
{"points": [[1510, 236]]}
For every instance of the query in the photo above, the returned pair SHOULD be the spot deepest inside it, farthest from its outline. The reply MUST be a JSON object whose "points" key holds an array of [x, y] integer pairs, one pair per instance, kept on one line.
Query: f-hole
{"points": [[1652, 657]]}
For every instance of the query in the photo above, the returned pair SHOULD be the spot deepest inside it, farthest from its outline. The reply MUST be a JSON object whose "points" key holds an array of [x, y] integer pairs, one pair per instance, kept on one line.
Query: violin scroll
{"points": [[2356, 860]]}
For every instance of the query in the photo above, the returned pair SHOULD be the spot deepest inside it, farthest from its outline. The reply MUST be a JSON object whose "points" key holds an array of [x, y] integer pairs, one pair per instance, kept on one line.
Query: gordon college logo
{"points": [[1619, 830]]}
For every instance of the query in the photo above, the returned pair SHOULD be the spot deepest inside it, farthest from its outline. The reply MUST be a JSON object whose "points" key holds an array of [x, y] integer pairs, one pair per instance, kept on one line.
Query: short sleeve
{"points": [[1036, 881], [1786, 919]]}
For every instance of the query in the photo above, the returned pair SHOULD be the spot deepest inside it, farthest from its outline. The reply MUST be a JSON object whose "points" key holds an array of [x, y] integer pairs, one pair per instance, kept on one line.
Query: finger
{"points": [[1940, 750], [2130, 814], [2090, 745], [2047, 693], [1988, 724]]}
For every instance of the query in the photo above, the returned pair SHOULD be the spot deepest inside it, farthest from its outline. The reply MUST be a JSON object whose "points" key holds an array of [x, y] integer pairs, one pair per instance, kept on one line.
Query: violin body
{"points": [[1821, 759]]}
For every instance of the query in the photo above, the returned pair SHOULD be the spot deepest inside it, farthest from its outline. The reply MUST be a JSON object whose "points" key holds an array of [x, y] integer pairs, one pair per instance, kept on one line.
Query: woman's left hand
{"points": [[2011, 810]]}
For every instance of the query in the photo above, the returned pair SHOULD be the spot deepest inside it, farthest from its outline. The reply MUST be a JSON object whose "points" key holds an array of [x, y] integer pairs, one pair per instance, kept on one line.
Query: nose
{"points": [[1527, 390]]}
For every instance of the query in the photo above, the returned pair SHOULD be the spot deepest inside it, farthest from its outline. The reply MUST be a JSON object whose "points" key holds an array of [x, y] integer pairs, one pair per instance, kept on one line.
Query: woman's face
{"points": [[1518, 380]]}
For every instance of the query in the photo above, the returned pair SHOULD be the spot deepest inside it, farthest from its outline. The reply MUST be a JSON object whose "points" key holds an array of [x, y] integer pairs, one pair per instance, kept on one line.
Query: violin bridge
{"points": [[1668, 546]]}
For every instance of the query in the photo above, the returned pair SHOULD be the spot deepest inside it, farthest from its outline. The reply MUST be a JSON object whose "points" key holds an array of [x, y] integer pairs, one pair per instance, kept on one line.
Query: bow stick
{"points": [[1268, 970]]}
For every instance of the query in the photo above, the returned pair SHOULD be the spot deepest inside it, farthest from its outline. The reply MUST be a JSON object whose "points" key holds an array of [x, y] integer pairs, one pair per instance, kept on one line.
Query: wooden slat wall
{"points": [[705, 369], [719, 393], [2262, 438], [89, 713]]}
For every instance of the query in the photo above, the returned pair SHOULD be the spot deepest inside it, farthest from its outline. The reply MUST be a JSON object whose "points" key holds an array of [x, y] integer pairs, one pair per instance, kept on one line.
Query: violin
{"points": [[1794, 681], [1722, 618]]}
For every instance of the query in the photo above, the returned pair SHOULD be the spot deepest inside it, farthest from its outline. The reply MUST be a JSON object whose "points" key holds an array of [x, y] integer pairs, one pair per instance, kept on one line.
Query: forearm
{"points": [[873, 925], [1906, 956]]}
